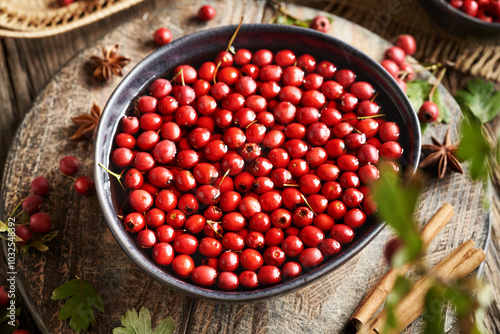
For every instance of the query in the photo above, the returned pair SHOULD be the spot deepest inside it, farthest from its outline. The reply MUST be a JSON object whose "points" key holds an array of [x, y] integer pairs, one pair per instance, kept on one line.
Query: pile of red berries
{"points": [[253, 167], [485, 10]]}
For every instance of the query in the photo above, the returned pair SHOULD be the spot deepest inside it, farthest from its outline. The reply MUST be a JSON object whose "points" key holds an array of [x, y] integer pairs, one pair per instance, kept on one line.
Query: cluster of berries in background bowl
{"points": [[5, 303], [253, 168], [485, 10]]}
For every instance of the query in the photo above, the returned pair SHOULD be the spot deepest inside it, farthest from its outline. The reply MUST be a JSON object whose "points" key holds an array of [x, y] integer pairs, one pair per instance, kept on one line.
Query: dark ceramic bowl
{"points": [[203, 46], [457, 22]]}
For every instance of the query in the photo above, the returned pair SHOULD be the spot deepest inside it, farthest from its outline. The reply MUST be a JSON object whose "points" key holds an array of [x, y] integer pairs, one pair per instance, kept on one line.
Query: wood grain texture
{"points": [[86, 247]]}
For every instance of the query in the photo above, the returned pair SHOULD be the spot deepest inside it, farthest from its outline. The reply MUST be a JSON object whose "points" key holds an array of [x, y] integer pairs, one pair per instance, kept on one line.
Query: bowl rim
{"points": [[474, 21], [102, 178]]}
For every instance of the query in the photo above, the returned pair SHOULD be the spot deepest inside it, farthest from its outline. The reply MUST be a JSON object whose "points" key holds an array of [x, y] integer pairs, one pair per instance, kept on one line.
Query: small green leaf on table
{"points": [[418, 92], [480, 100], [83, 298], [497, 151], [140, 323]]}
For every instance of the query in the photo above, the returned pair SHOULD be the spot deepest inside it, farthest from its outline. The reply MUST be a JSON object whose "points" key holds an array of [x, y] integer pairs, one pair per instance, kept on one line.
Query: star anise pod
{"points": [[442, 155], [87, 124], [112, 63]]}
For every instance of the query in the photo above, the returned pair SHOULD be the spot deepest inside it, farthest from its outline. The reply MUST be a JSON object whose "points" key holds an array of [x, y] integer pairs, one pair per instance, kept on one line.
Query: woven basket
{"points": [[41, 18]]}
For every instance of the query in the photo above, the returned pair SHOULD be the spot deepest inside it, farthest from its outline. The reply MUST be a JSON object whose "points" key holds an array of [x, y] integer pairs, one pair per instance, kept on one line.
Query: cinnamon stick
{"points": [[379, 292], [459, 263]]}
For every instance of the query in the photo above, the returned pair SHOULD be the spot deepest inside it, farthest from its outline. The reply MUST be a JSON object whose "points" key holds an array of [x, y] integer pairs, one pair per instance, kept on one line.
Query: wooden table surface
{"points": [[27, 66]]}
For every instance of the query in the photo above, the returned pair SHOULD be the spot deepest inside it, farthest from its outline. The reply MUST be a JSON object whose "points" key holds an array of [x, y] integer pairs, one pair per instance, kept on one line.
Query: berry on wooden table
{"points": [[320, 23], [162, 36], [206, 13]]}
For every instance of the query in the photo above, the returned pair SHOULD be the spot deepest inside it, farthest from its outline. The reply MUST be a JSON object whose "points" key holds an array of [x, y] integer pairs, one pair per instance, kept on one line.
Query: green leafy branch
{"points": [[395, 205]]}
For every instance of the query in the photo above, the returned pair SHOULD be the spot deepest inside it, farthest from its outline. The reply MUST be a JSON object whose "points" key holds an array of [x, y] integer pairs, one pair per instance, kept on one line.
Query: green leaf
{"points": [[82, 299], [141, 323], [287, 20], [396, 204], [480, 99], [418, 92], [471, 298], [433, 311], [401, 287], [474, 148], [167, 326]]}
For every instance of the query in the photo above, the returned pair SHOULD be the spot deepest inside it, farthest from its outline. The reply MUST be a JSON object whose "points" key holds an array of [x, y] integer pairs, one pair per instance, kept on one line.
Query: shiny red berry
{"points": [[162, 36], [40, 222]]}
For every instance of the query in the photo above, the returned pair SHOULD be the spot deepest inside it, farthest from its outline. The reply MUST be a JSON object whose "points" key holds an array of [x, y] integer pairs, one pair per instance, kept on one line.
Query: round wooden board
{"points": [[86, 248]]}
